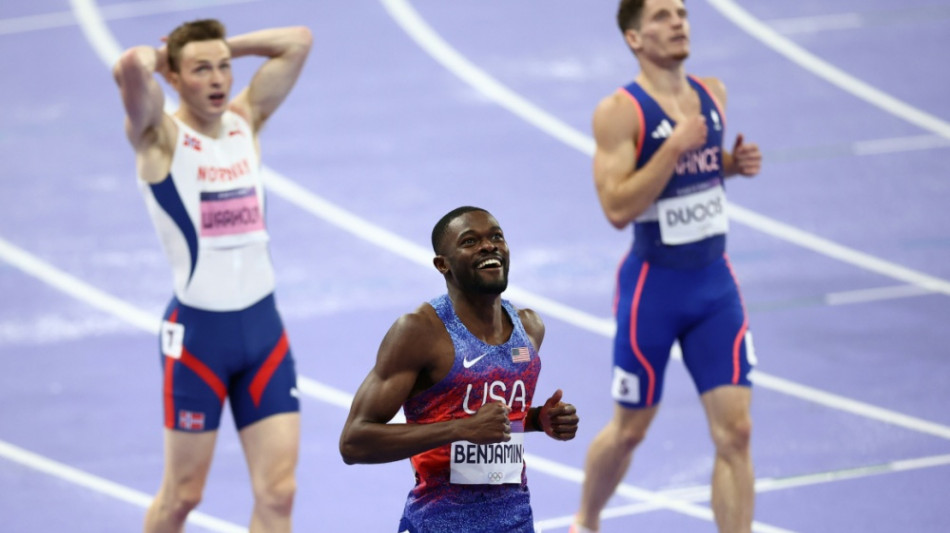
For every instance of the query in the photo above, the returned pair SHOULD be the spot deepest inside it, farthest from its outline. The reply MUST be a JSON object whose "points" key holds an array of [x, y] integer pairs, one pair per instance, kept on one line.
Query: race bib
{"points": [[231, 218], [694, 217], [172, 338], [487, 464]]}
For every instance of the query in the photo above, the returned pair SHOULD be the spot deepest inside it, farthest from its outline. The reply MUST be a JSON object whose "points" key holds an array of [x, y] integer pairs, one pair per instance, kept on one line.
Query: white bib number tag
{"points": [[173, 336], [487, 464], [692, 218]]}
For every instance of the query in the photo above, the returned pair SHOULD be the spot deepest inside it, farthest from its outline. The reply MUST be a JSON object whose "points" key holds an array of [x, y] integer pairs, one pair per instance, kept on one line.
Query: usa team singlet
{"points": [[676, 283], [463, 486], [222, 336]]}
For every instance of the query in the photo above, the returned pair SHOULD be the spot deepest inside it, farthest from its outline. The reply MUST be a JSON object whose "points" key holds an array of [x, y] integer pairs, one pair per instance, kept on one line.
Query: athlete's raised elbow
{"points": [[351, 449], [302, 37]]}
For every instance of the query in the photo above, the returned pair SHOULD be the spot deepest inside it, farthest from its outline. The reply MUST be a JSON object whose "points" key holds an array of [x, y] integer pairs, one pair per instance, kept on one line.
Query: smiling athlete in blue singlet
{"points": [[463, 367]]}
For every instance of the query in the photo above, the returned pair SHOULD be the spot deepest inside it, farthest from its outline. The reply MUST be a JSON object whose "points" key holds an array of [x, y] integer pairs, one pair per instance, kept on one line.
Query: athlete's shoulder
{"points": [[617, 115], [533, 325], [716, 88]]}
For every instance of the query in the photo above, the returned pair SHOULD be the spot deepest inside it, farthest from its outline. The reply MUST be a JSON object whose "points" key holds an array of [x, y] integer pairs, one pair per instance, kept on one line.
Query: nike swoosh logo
{"points": [[468, 363]]}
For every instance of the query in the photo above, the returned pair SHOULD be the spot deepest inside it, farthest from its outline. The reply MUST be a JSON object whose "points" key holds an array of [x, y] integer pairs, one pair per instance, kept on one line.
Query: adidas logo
{"points": [[717, 125], [662, 131]]}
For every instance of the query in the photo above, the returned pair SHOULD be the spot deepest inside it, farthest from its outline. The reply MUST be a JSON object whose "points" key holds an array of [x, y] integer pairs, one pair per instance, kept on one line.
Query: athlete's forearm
{"points": [[273, 42], [629, 196], [373, 443]]}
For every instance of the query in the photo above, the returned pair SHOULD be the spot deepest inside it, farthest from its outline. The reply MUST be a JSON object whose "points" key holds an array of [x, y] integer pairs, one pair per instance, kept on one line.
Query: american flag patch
{"points": [[520, 355], [191, 420]]}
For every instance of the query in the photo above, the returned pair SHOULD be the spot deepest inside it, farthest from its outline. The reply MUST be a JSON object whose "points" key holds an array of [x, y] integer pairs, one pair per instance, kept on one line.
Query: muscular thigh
{"points": [[717, 348], [648, 322]]}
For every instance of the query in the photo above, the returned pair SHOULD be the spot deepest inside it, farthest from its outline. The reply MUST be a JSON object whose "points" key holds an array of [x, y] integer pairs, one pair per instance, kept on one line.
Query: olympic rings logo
{"points": [[495, 477]]}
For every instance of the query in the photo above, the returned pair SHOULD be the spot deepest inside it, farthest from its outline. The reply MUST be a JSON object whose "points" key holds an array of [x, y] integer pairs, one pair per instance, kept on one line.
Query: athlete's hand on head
{"points": [[161, 59], [746, 157], [558, 419], [690, 134], [490, 424]]}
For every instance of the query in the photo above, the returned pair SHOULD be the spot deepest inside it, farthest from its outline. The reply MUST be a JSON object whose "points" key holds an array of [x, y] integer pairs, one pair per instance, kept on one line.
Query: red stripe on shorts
{"points": [[634, 307], [206, 374], [169, 383], [267, 369]]}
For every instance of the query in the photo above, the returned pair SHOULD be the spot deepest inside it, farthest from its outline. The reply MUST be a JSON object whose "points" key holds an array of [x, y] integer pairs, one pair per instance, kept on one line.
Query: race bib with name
{"points": [[231, 218], [694, 217], [487, 464]]}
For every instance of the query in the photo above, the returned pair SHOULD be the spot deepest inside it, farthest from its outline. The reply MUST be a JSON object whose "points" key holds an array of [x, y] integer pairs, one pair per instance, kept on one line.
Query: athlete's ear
{"points": [[174, 79], [632, 37], [440, 264]]}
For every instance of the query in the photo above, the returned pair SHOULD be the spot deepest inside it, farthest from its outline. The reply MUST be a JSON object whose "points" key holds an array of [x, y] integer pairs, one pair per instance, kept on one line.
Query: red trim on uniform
{"points": [[168, 393], [737, 343], [617, 284], [267, 370], [722, 115], [642, 135], [169, 382], [634, 307], [206, 374]]}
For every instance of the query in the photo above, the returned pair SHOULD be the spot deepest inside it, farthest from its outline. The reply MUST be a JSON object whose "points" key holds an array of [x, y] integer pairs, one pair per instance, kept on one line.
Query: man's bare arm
{"points": [[287, 50], [405, 352]]}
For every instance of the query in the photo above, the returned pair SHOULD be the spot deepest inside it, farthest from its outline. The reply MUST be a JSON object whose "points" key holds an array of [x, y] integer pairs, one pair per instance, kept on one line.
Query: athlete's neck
{"points": [[482, 315], [209, 126], [667, 81]]}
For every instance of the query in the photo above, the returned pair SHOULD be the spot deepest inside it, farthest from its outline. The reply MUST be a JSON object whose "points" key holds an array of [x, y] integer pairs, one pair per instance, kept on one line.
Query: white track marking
{"points": [[874, 295], [821, 68], [104, 486], [430, 41], [838, 21], [899, 144], [62, 19], [702, 493]]}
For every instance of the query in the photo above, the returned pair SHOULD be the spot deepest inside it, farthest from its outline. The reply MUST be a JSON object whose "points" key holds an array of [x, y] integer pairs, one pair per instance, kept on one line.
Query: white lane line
{"points": [[874, 295], [829, 248], [837, 21], [430, 41], [654, 500], [821, 68], [104, 486], [899, 144], [61, 19], [702, 493]]}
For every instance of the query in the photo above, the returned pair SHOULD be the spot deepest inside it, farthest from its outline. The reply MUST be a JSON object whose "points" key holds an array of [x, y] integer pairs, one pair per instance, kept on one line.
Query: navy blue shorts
{"points": [[208, 356], [701, 308]]}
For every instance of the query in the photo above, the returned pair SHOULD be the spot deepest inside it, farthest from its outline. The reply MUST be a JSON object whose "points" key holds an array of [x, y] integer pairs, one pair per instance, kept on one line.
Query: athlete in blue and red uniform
{"points": [[660, 165], [463, 367], [222, 337]]}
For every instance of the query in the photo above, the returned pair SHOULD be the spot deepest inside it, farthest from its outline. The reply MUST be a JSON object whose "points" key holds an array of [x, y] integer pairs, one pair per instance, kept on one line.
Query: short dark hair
{"points": [[438, 232], [196, 30], [629, 14]]}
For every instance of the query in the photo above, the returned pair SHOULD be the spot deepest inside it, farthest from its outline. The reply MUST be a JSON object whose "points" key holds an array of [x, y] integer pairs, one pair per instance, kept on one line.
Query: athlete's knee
{"points": [[733, 437], [179, 501], [277, 495], [628, 434]]}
